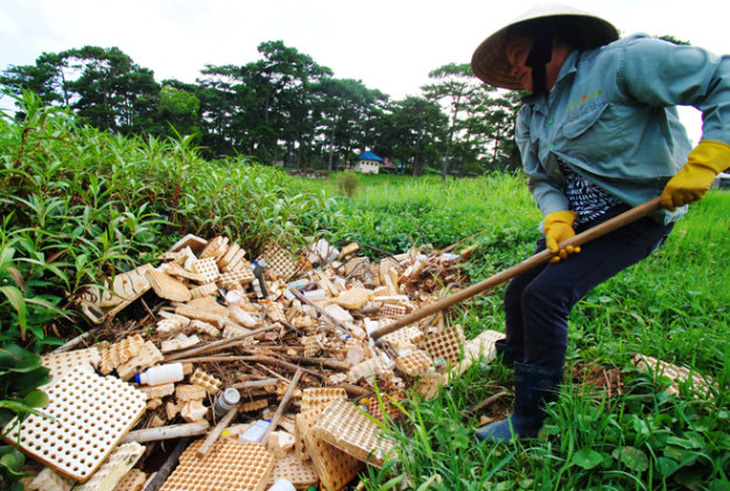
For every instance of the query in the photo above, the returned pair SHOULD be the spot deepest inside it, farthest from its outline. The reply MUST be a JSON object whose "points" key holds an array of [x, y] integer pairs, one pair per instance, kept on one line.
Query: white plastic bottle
{"points": [[163, 374]]}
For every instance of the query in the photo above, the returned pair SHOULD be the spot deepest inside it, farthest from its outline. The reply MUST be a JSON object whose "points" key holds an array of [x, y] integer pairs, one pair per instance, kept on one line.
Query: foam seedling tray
{"points": [[87, 416]]}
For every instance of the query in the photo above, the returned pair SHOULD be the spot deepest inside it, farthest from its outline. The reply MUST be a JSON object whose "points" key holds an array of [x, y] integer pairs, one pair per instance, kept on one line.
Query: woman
{"points": [[598, 134]]}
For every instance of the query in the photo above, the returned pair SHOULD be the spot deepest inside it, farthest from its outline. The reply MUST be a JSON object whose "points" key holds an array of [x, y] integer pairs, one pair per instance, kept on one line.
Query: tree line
{"points": [[283, 107]]}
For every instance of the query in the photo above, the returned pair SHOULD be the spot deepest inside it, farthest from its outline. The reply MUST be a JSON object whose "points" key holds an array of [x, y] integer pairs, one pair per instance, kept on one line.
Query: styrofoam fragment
{"points": [[205, 328], [338, 313], [147, 356], [232, 252], [312, 345], [354, 298], [206, 381], [444, 343], [204, 290], [369, 368], [172, 324], [675, 373], [215, 248], [334, 467], [179, 342], [207, 269], [119, 353], [158, 391], [406, 335], [280, 443], [280, 263], [275, 312], [256, 405], [235, 279], [121, 460], [189, 392], [193, 411], [48, 480], [301, 474], [414, 364]]}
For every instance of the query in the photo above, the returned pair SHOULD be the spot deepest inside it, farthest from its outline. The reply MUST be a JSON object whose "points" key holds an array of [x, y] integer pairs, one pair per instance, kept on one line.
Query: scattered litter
{"points": [[281, 342]]}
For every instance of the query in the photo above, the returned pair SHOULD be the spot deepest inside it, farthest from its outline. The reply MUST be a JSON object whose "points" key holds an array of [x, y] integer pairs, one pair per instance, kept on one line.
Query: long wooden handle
{"points": [[541, 257]]}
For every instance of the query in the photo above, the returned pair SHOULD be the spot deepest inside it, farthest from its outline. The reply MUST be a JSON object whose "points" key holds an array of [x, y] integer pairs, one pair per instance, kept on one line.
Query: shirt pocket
{"points": [[594, 134]]}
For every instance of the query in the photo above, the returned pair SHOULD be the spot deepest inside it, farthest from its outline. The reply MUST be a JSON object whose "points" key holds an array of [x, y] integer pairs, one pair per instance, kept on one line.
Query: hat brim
{"points": [[489, 61]]}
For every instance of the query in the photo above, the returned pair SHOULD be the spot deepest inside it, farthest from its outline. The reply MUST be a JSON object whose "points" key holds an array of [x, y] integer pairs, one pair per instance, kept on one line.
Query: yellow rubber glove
{"points": [[559, 227], [693, 180]]}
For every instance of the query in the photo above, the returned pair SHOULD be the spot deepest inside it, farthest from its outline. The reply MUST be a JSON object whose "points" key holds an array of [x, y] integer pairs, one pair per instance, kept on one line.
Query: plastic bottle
{"points": [[255, 432], [226, 401], [282, 484], [163, 374]]}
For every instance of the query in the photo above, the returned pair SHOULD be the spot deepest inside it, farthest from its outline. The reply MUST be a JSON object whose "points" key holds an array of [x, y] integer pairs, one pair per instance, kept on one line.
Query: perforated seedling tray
{"points": [[343, 425], [230, 465], [89, 414]]}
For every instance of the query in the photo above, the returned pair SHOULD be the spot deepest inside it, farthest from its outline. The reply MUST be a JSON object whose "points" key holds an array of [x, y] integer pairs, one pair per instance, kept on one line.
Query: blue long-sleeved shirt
{"points": [[611, 117]]}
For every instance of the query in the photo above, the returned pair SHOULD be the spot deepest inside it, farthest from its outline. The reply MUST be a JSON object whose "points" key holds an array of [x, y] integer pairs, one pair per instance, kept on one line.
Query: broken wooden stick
{"points": [[282, 407], [216, 345], [215, 433], [166, 432]]}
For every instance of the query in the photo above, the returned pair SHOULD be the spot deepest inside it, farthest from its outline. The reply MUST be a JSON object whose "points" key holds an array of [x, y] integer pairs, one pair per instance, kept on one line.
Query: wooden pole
{"points": [[541, 257], [282, 407]]}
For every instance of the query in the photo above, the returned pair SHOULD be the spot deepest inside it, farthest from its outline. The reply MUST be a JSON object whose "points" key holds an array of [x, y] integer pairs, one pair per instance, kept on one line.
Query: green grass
{"points": [[673, 305]]}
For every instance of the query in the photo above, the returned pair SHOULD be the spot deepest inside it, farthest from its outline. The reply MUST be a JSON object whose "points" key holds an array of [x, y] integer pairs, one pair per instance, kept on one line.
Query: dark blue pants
{"points": [[537, 302]]}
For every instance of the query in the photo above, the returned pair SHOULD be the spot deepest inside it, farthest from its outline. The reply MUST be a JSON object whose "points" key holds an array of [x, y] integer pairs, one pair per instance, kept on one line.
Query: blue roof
{"points": [[369, 156]]}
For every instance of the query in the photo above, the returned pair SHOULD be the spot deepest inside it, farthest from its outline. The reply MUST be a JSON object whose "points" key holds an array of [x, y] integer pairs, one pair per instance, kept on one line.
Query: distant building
{"points": [[368, 163]]}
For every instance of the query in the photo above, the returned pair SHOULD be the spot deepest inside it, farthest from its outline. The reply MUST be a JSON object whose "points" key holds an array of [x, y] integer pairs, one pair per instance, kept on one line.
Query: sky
{"points": [[390, 45]]}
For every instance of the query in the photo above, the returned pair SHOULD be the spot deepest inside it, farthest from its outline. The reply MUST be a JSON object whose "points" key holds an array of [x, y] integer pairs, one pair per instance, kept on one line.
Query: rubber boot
{"points": [[535, 386], [509, 353]]}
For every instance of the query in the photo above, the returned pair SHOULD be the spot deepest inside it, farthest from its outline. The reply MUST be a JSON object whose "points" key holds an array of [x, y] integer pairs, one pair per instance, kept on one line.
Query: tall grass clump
{"points": [[78, 205], [347, 184]]}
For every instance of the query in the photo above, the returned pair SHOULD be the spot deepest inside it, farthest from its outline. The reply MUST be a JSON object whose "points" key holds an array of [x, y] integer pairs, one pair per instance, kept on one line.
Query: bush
{"points": [[347, 184]]}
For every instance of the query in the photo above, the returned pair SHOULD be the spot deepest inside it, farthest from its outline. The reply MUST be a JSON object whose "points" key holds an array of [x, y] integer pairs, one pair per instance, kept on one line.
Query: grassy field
{"points": [[673, 306], [77, 204]]}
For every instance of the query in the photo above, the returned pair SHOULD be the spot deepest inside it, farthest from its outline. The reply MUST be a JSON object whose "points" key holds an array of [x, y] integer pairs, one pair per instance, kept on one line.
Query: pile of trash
{"points": [[238, 374]]}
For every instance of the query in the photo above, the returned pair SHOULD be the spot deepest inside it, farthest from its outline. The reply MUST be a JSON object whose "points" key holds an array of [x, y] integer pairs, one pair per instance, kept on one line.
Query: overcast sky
{"points": [[390, 45]]}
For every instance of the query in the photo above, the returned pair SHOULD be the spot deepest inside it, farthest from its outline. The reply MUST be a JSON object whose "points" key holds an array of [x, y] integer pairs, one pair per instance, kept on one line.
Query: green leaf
{"points": [[13, 460], [631, 457], [36, 398], [587, 458], [667, 466], [15, 297]]}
